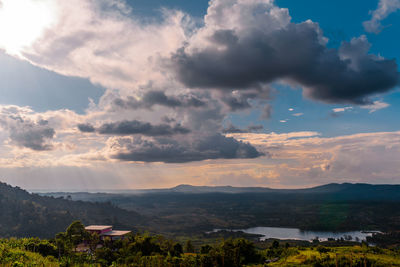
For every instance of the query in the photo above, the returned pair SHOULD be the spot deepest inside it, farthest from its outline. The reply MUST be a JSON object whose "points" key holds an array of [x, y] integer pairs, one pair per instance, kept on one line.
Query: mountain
{"points": [[358, 189], [24, 214], [184, 188]]}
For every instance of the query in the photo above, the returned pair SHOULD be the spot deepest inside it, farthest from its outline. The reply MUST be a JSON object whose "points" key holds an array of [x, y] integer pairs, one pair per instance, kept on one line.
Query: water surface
{"points": [[297, 234]]}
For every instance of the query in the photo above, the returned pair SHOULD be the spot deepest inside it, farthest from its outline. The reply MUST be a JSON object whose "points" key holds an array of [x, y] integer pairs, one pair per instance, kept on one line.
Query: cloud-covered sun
{"points": [[24, 21]]}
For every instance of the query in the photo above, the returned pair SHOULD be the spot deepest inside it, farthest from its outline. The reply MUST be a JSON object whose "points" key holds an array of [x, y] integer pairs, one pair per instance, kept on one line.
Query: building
{"points": [[106, 231]]}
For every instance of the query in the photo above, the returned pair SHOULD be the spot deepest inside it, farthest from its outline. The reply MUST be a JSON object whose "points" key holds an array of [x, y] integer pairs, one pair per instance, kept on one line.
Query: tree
{"points": [[205, 249], [93, 241], [61, 243], [177, 250], [76, 233], [189, 247], [275, 244]]}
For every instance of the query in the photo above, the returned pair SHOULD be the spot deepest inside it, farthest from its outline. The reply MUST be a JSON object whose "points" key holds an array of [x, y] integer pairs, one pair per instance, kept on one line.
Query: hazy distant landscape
{"points": [[191, 210]]}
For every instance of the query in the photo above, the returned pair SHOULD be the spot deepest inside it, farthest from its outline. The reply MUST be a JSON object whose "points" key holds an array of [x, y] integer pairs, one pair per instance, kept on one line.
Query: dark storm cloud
{"points": [[171, 151], [25, 132], [255, 128], [33, 137], [239, 100], [154, 97], [236, 102], [134, 127], [294, 52], [233, 129], [86, 128]]}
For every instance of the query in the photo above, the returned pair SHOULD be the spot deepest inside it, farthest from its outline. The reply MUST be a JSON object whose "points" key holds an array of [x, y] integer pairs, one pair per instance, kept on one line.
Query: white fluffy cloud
{"points": [[102, 41], [376, 105], [384, 9]]}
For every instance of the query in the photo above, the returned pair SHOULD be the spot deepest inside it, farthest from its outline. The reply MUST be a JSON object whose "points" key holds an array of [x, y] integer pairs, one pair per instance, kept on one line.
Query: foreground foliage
{"points": [[147, 250]]}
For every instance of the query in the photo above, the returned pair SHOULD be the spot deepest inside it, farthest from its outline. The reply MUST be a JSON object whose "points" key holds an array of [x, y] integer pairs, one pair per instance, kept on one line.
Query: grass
{"points": [[339, 256], [18, 257]]}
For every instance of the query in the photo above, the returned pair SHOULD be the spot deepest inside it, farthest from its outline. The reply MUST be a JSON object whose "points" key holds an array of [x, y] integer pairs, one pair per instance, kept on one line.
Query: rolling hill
{"points": [[24, 214]]}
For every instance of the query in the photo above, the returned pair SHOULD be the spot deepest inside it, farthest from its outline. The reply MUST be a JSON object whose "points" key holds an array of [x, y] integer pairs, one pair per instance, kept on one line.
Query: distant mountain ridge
{"points": [[186, 188], [344, 188], [345, 191]]}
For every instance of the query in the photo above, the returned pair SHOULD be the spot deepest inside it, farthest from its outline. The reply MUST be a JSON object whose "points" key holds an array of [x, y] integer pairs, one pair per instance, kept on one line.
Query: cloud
{"points": [[298, 114], [254, 128], [173, 151], [32, 135], [154, 97], [237, 100], [266, 112], [376, 105], [272, 138], [233, 129], [384, 9], [296, 159], [247, 43], [105, 42], [336, 110], [134, 127], [24, 132], [304, 158], [86, 128]]}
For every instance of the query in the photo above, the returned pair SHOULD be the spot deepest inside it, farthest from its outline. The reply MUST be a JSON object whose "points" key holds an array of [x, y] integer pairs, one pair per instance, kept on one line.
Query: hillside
{"points": [[189, 209], [25, 214]]}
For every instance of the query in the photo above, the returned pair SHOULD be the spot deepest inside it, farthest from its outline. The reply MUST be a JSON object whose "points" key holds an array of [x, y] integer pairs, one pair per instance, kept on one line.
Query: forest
{"points": [[30, 215]]}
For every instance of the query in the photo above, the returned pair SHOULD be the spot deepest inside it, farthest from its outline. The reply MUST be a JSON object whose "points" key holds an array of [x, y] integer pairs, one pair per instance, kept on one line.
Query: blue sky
{"points": [[93, 91]]}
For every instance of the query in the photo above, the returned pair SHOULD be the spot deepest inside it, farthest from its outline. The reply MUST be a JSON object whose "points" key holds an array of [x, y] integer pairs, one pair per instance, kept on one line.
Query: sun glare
{"points": [[22, 22]]}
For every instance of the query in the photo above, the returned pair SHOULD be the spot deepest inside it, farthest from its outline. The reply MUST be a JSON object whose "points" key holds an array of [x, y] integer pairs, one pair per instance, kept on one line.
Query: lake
{"points": [[297, 234]]}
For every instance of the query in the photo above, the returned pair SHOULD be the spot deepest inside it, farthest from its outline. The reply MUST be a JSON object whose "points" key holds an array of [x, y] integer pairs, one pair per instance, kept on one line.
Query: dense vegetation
{"points": [[24, 214], [147, 250], [188, 210]]}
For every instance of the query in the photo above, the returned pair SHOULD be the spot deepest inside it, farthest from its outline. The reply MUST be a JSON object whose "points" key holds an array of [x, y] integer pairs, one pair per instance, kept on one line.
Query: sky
{"points": [[127, 94]]}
